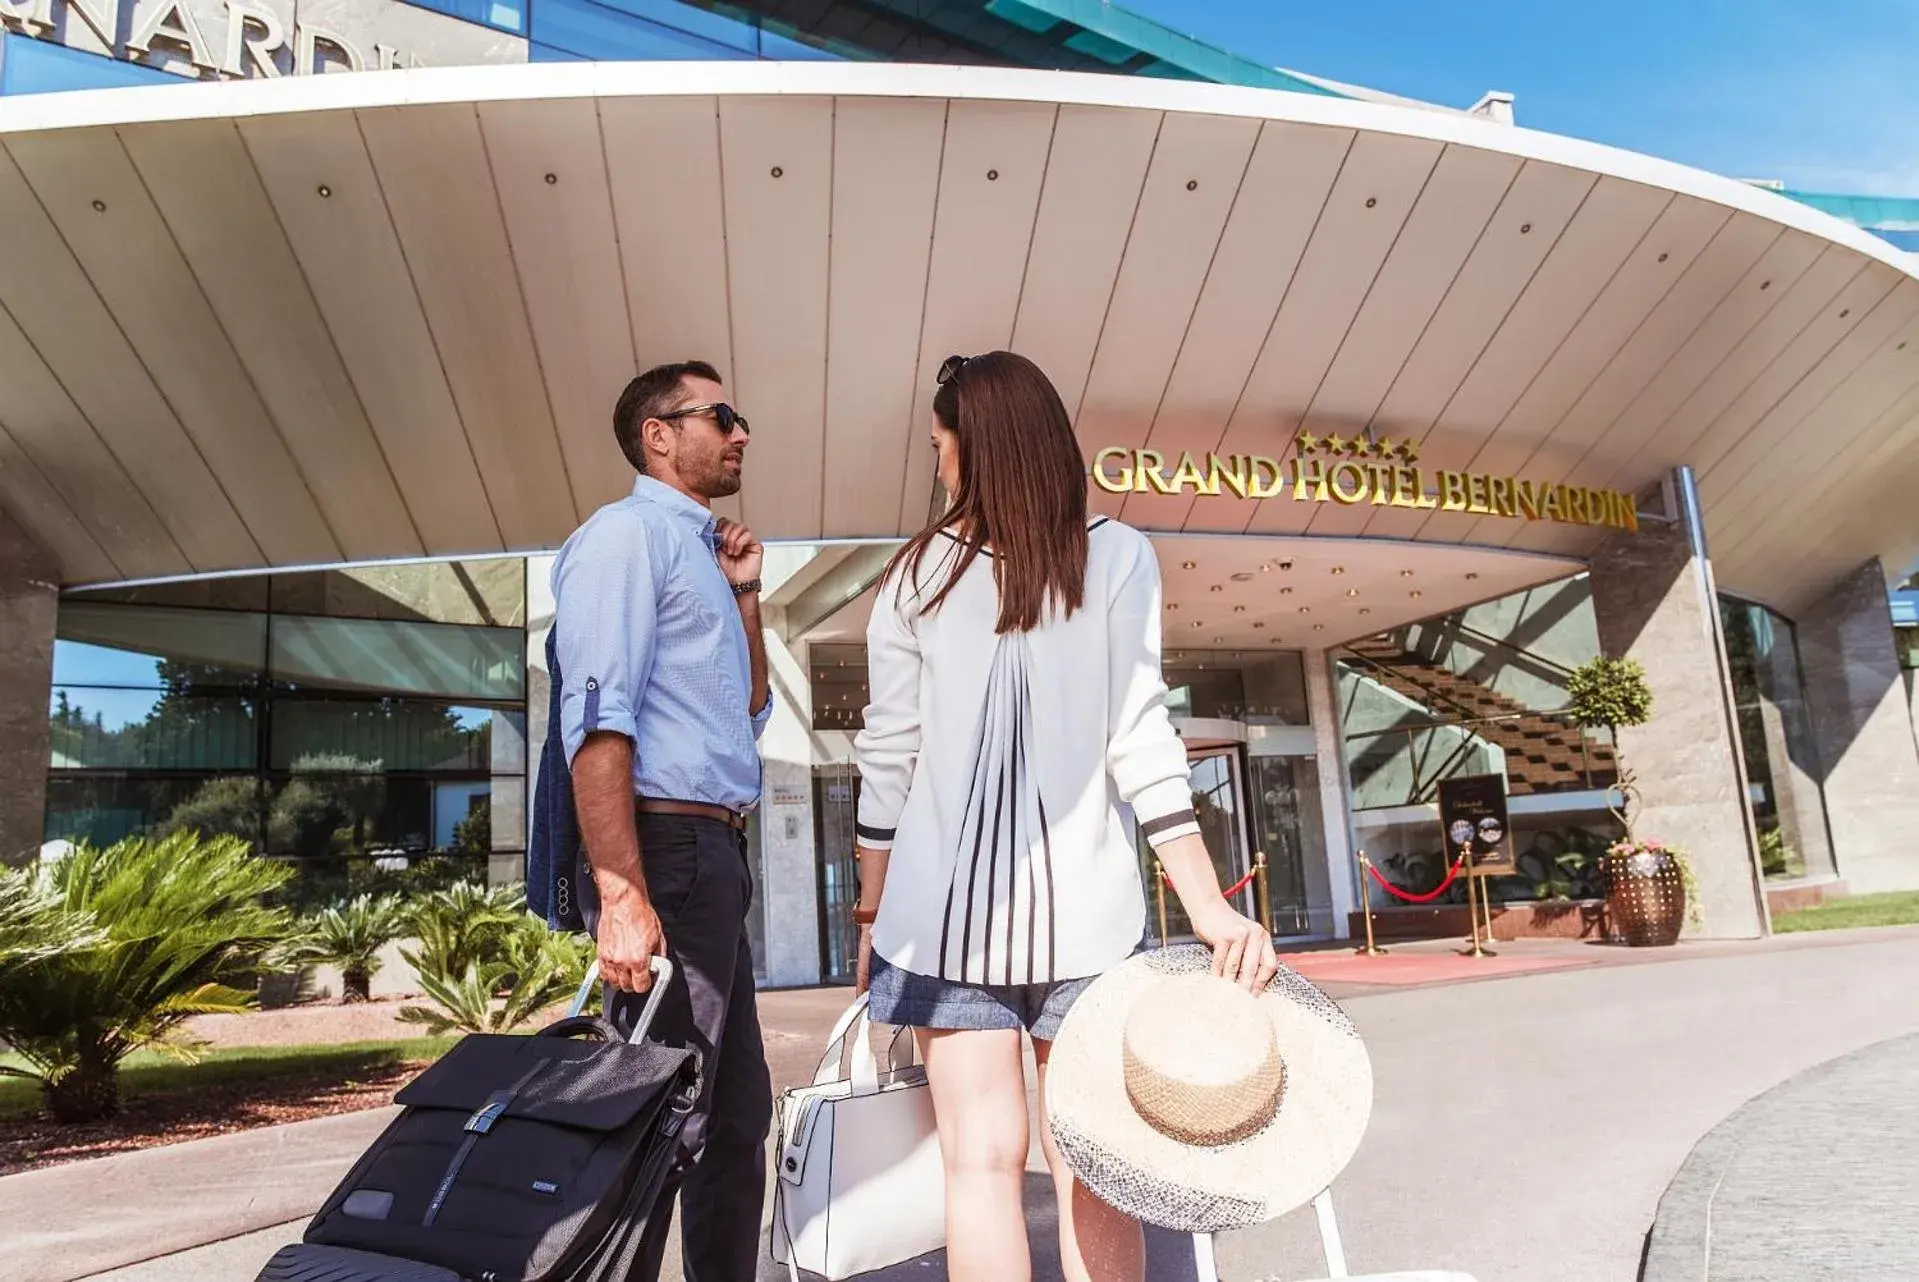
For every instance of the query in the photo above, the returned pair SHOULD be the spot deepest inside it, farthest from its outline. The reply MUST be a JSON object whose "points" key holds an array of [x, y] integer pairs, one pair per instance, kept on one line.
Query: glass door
{"points": [[1218, 801], [835, 804], [1289, 829]]}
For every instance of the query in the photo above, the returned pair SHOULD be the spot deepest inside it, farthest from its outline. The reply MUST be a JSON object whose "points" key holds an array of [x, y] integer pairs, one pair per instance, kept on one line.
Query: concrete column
{"points": [[1857, 698], [1654, 601], [1322, 706], [29, 609]]}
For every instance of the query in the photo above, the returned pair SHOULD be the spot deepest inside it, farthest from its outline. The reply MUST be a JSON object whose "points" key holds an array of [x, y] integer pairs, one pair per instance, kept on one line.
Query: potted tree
{"points": [[1649, 884]]}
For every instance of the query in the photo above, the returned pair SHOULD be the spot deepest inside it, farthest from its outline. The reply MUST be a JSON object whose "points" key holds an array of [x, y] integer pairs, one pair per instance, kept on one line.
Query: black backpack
{"points": [[516, 1159]]}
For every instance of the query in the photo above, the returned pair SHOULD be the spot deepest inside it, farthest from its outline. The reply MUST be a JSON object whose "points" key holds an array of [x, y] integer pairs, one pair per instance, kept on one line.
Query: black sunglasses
{"points": [[949, 369], [723, 414]]}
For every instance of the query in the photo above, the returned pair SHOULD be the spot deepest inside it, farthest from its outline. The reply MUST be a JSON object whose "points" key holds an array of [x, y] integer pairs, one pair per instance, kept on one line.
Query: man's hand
{"points": [[630, 936], [740, 553]]}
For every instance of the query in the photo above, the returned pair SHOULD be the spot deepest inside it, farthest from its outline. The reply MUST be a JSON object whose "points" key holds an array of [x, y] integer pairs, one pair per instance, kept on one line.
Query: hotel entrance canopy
{"points": [[352, 317]]}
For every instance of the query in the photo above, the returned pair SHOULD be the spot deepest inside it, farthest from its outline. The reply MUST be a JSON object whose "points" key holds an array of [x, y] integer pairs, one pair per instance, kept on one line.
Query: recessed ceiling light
{"points": [[1172, 605], [1405, 574], [1189, 565], [1305, 609], [1472, 576], [1198, 624], [1285, 565], [1319, 627], [1218, 640], [1339, 569], [1217, 587], [1364, 610], [1352, 591], [1285, 591], [1415, 594], [1239, 609], [1258, 627]]}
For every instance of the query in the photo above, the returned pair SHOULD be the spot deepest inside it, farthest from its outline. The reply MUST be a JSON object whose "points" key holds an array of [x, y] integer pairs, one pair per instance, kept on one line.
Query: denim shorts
{"points": [[904, 998]]}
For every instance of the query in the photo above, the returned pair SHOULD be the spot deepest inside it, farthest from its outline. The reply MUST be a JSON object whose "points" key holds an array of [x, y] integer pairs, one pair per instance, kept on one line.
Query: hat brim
{"points": [[1191, 1188]]}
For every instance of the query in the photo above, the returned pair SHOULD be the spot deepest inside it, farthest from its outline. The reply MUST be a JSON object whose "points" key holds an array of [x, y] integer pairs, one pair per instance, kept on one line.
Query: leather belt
{"points": [[691, 810]]}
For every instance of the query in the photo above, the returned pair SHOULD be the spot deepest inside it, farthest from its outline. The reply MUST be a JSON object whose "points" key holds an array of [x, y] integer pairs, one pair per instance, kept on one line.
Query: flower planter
{"points": [[1646, 897]]}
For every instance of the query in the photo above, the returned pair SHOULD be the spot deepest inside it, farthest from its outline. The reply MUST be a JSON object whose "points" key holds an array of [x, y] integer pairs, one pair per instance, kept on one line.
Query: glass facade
{"points": [[1783, 770], [343, 743]]}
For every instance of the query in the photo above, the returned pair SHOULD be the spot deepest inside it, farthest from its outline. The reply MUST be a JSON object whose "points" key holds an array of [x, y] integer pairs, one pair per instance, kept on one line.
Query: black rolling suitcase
{"points": [[516, 1159]]}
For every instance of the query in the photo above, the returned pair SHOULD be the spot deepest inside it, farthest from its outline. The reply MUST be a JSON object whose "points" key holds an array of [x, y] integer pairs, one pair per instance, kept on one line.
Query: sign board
{"points": [[1355, 472], [1472, 808], [249, 39], [787, 795]]}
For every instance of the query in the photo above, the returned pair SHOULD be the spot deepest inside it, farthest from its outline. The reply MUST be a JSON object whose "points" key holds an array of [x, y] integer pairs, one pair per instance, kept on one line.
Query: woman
{"points": [[1014, 662]]}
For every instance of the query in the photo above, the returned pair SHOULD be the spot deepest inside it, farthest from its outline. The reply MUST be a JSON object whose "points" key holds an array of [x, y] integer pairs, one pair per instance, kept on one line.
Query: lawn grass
{"points": [[1894, 908], [150, 1073]]}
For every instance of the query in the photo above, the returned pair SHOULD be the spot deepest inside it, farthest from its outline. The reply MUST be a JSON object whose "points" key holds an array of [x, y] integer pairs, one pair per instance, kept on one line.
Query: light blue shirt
{"points": [[651, 645]]}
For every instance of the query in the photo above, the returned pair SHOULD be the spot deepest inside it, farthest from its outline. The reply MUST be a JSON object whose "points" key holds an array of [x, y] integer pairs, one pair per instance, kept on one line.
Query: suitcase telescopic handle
{"points": [[663, 970]]}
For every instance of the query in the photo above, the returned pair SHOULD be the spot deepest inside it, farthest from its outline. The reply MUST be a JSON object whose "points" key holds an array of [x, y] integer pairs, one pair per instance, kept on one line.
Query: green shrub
{"points": [[520, 974], [1608, 693], [179, 921], [463, 925], [350, 935]]}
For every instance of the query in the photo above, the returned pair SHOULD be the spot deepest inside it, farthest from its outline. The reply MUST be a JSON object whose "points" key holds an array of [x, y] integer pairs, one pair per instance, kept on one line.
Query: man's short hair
{"points": [[652, 394]]}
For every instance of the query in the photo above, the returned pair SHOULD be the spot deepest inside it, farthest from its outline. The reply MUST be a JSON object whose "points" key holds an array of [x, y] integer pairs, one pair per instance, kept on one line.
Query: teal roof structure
{"points": [[1891, 218]]}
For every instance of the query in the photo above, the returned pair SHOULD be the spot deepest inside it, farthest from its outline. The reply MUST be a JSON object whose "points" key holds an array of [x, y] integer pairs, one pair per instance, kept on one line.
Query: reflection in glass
{"points": [[1288, 827], [149, 730], [1216, 802], [317, 814], [387, 734], [447, 660], [103, 809], [156, 648], [1783, 769]]}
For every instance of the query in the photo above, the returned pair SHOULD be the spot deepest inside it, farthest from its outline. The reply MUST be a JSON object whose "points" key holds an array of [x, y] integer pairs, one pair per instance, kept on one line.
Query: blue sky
{"points": [[1824, 96]]}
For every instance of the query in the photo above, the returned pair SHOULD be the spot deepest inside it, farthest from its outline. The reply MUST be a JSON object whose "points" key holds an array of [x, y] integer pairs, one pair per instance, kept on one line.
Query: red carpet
{"points": [[1416, 968]]}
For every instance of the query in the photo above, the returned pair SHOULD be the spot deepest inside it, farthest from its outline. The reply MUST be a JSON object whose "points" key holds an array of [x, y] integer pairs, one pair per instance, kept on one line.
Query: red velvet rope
{"points": [[1231, 890], [1429, 896]]}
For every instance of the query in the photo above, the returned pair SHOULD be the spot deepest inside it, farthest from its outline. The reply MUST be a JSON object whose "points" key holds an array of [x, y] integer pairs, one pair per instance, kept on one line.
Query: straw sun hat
{"points": [[1189, 1103]]}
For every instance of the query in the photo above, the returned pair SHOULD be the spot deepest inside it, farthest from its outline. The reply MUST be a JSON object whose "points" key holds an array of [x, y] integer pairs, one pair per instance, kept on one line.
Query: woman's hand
{"points": [[863, 976], [1242, 950]]}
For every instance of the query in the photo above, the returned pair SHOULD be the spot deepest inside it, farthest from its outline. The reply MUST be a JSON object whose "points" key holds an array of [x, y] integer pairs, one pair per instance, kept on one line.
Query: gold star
{"points": [[1308, 443], [1359, 447], [1384, 447], [1409, 450], [1335, 444]]}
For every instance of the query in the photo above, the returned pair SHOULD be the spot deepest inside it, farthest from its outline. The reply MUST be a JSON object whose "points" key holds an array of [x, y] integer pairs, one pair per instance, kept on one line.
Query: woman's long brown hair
{"points": [[1022, 491]]}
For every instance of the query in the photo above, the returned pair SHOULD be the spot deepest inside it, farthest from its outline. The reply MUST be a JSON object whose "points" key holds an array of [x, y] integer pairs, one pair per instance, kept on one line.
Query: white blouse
{"points": [[992, 766]]}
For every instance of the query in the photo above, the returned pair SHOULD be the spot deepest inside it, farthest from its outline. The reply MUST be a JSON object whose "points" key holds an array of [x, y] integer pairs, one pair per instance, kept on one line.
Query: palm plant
{"points": [[350, 935], [33, 926], [533, 966], [464, 924], [180, 921]]}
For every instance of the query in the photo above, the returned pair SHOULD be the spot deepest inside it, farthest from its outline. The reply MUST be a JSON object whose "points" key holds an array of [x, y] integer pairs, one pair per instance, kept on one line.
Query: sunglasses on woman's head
{"points": [[949, 369], [723, 414]]}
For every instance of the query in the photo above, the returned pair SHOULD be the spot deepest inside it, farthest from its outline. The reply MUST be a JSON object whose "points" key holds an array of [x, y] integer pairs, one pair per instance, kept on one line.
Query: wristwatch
{"points": [[742, 589]]}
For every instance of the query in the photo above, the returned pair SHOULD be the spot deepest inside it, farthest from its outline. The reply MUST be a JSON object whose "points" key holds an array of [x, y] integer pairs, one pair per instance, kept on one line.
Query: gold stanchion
{"points": [[1472, 902], [1486, 908], [1159, 887], [1366, 909], [1265, 897]]}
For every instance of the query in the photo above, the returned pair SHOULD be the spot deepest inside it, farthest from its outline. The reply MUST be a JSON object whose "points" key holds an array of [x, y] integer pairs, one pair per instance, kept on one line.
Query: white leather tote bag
{"points": [[860, 1183]]}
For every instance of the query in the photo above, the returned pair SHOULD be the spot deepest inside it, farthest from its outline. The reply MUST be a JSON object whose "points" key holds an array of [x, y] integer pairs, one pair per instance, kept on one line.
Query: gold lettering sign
{"points": [[1382, 473]]}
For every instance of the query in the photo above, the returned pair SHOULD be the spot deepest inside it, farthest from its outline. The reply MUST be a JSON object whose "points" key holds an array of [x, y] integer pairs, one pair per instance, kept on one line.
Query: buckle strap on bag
{"points": [[477, 1125]]}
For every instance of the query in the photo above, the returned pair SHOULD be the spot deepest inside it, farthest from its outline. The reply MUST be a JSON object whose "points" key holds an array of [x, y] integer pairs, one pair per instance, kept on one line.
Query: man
{"points": [[662, 669]]}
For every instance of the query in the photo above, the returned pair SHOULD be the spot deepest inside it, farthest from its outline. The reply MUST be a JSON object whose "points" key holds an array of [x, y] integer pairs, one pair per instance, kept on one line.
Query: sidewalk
{"points": [[1553, 1037]]}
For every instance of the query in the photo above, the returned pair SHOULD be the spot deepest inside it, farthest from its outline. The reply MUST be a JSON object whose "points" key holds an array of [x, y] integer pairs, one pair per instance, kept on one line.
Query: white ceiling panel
{"points": [[57, 307], [1828, 396], [351, 258], [1536, 210], [1274, 212], [1095, 178], [1190, 189], [204, 183], [89, 186], [1592, 252], [438, 182], [1377, 189], [48, 518], [549, 168], [886, 177], [991, 171], [1737, 250], [60, 446], [777, 157], [1684, 229]]}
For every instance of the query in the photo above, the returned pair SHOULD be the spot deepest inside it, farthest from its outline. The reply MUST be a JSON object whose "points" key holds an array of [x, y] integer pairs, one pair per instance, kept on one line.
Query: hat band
{"points": [[1208, 1116]]}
